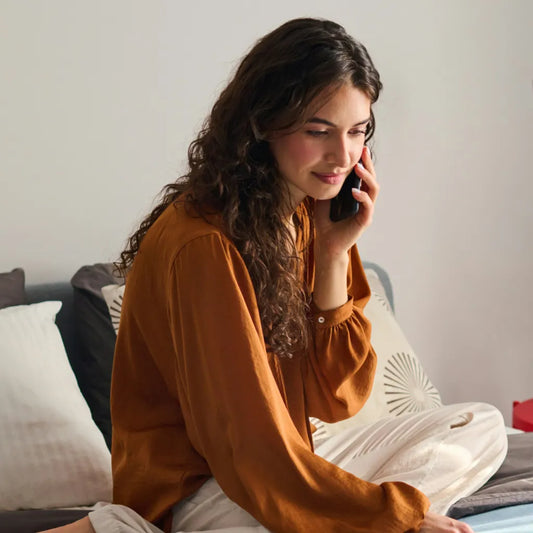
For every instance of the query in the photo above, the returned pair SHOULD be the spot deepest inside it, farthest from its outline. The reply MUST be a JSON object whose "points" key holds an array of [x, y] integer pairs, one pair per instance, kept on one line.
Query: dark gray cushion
{"points": [[96, 340], [30, 521], [12, 288]]}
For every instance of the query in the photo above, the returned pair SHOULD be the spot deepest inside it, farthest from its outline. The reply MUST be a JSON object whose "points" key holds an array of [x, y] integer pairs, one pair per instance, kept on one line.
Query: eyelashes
{"points": [[323, 133]]}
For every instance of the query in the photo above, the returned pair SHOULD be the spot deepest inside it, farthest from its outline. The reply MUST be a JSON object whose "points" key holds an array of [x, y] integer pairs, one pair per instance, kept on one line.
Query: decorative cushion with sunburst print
{"points": [[113, 296], [401, 385]]}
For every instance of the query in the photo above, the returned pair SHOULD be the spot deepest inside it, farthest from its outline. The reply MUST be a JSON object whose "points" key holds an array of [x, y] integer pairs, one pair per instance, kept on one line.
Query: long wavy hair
{"points": [[233, 172]]}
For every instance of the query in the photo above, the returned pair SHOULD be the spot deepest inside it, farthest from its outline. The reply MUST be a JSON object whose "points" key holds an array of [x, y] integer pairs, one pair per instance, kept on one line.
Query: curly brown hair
{"points": [[232, 170]]}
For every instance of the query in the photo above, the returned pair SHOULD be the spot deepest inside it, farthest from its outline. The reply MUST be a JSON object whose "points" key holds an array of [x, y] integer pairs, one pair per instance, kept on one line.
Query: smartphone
{"points": [[344, 205]]}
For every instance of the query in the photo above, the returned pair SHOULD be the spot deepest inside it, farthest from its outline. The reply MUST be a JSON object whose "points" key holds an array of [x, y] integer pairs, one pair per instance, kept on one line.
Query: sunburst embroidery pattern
{"points": [[407, 386], [114, 310]]}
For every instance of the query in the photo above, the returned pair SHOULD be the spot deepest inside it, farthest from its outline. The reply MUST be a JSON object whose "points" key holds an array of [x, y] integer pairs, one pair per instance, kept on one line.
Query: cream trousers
{"points": [[447, 453]]}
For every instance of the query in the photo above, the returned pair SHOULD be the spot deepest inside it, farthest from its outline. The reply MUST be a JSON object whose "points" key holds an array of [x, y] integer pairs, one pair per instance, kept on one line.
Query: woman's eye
{"points": [[358, 132], [316, 133]]}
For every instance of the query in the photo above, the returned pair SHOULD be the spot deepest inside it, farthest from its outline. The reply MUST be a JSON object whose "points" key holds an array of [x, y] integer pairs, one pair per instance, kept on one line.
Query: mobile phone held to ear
{"points": [[344, 205]]}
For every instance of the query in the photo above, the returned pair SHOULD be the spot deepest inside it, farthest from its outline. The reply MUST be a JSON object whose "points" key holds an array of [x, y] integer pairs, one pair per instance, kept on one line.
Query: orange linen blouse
{"points": [[195, 392]]}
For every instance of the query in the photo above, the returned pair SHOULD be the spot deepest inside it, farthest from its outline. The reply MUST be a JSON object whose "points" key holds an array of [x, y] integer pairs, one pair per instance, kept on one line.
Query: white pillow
{"points": [[51, 452], [401, 384]]}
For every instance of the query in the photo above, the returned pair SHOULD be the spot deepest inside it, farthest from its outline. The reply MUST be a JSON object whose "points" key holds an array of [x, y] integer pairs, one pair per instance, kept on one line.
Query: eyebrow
{"points": [[318, 120]]}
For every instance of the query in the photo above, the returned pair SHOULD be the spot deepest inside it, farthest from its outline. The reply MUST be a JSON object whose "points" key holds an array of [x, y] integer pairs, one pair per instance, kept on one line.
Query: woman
{"points": [[243, 317]]}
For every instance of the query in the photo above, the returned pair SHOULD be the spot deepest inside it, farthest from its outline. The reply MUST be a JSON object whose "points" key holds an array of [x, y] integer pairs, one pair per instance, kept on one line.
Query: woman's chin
{"points": [[327, 195]]}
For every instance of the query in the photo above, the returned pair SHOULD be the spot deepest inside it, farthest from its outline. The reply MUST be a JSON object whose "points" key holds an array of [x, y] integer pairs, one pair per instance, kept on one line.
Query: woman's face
{"points": [[315, 159]]}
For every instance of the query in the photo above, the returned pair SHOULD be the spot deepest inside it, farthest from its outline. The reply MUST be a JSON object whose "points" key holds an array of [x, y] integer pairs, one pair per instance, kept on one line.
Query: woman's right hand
{"points": [[436, 523]]}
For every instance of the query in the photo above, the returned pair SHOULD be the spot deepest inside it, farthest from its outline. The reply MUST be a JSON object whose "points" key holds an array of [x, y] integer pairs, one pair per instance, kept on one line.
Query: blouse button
{"points": [[321, 319]]}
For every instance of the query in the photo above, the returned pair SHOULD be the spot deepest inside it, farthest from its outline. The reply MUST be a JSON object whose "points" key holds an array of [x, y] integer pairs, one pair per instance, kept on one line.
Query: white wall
{"points": [[99, 101]]}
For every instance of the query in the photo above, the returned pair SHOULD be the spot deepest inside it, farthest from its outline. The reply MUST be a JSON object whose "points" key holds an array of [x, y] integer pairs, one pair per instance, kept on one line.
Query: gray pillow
{"points": [[12, 288], [97, 340]]}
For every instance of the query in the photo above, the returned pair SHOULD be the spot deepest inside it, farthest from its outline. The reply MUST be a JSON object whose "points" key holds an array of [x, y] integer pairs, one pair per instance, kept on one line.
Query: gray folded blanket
{"points": [[512, 484]]}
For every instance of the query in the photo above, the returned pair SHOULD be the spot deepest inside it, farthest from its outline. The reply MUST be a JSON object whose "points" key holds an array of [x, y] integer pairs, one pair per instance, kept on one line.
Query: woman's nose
{"points": [[339, 153]]}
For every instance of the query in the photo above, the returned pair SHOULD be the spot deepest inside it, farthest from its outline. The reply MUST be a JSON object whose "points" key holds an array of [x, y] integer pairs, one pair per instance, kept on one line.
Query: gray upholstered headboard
{"points": [[384, 278]]}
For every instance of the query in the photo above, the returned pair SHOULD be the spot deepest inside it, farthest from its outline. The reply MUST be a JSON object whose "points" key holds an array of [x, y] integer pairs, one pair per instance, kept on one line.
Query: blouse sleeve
{"points": [[341, 362], [237, 420]]}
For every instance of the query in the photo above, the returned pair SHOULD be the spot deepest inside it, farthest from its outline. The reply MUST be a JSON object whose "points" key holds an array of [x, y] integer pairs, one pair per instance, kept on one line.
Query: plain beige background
{"points": [[99, 100]]}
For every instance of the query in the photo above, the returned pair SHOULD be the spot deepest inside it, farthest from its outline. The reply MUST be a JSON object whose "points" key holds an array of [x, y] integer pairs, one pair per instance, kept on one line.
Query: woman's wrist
{"points": [[330, 289]]}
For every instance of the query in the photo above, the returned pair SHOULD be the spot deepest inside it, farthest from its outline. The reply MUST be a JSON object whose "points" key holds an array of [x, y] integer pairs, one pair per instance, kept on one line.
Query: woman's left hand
{"points": [[336, 238]]}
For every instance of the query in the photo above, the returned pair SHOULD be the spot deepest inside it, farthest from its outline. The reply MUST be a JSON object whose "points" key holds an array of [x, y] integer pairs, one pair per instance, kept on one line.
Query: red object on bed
{"points": [[523, 415]]}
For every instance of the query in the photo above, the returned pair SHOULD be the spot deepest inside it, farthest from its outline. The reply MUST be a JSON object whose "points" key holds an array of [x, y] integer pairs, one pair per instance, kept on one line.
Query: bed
{"points": [[56, 381]]}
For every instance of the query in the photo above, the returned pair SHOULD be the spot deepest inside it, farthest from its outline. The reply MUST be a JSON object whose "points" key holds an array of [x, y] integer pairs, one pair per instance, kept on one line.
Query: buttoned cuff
{"points": [[333, 317]]}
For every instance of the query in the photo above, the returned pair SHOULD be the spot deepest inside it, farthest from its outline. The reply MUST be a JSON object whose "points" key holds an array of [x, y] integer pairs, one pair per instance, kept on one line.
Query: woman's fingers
{"points": [[367, 160], [368, 175], [434, 523], [366, 206]]}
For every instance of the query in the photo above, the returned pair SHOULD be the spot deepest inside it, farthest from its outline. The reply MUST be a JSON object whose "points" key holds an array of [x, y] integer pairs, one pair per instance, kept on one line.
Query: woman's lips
{"points": [[330, 178]]}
